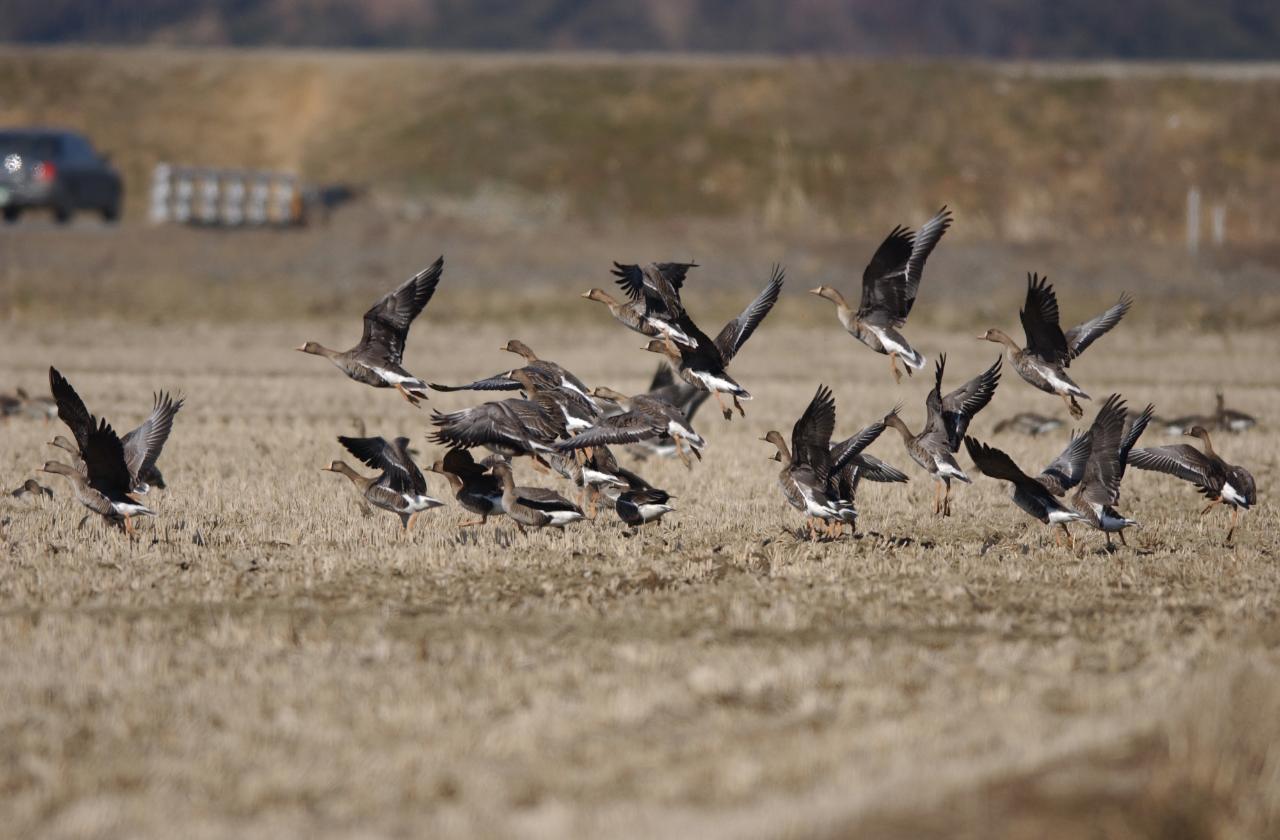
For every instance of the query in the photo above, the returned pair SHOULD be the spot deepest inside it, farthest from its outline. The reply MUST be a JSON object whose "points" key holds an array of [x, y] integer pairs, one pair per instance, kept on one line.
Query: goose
{"points": [[850, 466], [534, 507], [510, 428], [597, 474], [400, 487], [703, 365], [1043, 362], [1220, 482], [686, 398], [948, 419], [1231, 420], [376, 360], [1099, 488], [37, 407], [142, 446], [646, 418], [104, 484], [653, 305], [806, 466], [544, 370], [474, 486], [1029, 494], [1028, 423], [578, 409], [31, 487], [890, 283], [638, 507]]}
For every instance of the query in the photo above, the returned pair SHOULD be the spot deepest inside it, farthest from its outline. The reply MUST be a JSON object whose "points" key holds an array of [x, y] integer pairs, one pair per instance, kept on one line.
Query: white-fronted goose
{"points": [[806, 466], [31, 487], [948, 419], [704, 366], [653, 306], [646, 418], [597, 474], [890, 283], [1029, 494], [1231, 420], [1043, 362], [578, 409], [1220, 482], [637, 507], [510, 428], [548, 371], [142, 446], [377, 359], [849, 466], [1099, 488], [474, 486], [1028, 423], [37, 407], [400, 486], [534, 507], [687, 400]]}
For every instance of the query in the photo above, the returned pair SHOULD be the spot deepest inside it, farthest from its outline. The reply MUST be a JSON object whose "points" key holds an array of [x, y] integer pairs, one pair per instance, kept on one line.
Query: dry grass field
{"points": [[269, 658]]}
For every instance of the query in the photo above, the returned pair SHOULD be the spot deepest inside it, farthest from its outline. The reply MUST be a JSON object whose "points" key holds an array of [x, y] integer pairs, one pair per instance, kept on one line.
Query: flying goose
{"points": [[543, 369], [510, 428], [948, 419], [1099, 488], [653, 306], [1029, 494], [400, 486], [1220, 482], [377, 359], [1043, 362], [686, 398], [806, 466], [142, 446], [474, 486], [703, 366], [890, 283], [535, 507], [646, 418]]}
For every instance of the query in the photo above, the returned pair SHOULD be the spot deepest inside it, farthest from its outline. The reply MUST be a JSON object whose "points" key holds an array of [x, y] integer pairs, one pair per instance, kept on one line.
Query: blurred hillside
{"points": [[1230, 29]]}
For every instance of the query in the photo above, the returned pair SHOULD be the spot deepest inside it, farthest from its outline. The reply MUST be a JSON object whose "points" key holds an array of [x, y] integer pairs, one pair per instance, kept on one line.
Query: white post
{"points": [[1219, 221], [1193, 221], [161, 190]]}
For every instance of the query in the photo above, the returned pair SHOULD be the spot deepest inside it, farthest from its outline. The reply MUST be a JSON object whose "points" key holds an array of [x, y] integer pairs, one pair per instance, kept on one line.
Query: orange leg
{"points": [[1073, 406], [1235, 518], [479, 521], [1211, 505], [728, 414], [742, 411], [412, 400], [893, 367]]}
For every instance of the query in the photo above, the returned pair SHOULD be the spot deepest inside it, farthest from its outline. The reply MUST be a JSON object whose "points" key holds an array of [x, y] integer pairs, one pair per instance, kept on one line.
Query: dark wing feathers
{"points": [[1066, 471], [737, 331], [921, 247], [1081, 336], [872, 468], [71, 409], [1134, 430], [1040, 322], [960, 406], [1180, 460], [105, 467], [497, 382], [392, 459], [386, 324], [142, 446], [891, 280], [1102, 472], [845, 450], [996, 464], [811, 435], [620, 428]]}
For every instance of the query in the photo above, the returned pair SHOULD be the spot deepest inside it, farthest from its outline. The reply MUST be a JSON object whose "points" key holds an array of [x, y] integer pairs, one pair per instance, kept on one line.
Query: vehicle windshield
{"points": [[40, 147]]}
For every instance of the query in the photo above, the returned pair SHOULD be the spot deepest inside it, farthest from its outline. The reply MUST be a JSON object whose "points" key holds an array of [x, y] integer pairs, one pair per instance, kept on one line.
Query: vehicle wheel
{"points": [[111, 213], [11, 213], [61, 214]]}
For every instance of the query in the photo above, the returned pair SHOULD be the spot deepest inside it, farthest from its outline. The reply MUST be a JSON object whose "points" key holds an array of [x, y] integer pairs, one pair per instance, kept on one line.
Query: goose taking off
{"points": [[474, 486], [948, 419], [890, 283], [686, 399], [1220, 482], [400, 486], [142, 446], [1043, 362], [806, 466], [377, 359], [1028, 493], [647, 418], [1099, 488], [544, 369], [653, 306], [704, 364]]}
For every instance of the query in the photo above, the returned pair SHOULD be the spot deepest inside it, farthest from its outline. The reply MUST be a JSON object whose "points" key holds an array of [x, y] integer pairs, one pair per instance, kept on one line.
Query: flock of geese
{"points": [[564, 426]]}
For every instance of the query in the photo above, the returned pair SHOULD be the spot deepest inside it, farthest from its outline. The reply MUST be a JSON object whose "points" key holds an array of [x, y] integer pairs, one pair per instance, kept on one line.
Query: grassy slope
{"points": [[803, 145]]}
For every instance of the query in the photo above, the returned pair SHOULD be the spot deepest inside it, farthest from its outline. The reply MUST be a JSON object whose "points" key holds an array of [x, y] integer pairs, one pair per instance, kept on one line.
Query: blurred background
{"points": [[267, 159]]}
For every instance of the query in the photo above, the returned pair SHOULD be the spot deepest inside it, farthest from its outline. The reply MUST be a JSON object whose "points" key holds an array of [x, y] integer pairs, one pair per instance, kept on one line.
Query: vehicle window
{"points": [[76, 149], [41, 147]]}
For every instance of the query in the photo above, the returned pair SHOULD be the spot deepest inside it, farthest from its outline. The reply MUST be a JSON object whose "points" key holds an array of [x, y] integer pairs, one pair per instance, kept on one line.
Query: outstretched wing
{"points": [[1102, 472], [104, 462], [891, 280], [1135, 426], [71, 409], [620, 428], [1180, 460], [996, 464], [872, 468], [386, 324], [845, 450], [1081, 336], [497, 382], [1040, 322], [960, 406], [737, 331], [142, 445], [811, 435], [1066, 471]]}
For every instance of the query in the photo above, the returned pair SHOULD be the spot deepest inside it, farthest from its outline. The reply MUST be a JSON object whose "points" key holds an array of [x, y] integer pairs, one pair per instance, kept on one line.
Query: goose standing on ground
{"points": [[1099, 488], [400, 487], [890, 283], [703, 366], [806, 466], [142, 446], [653, 305], [474, 486], [509, 428], [377, 359], [1028, 423], [535, 507], [1220, 482], [1229, 419], [948, 419], [1043, 362], [1028, 493], [687, 400], [638, 507], [646, 418], [31, 487], [851, 466]]}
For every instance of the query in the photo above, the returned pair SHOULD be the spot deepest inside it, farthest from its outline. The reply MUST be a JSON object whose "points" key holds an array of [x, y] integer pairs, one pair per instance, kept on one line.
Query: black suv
{"points": [[55, 169]]}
